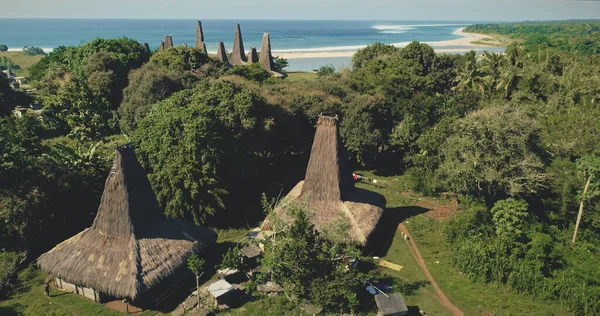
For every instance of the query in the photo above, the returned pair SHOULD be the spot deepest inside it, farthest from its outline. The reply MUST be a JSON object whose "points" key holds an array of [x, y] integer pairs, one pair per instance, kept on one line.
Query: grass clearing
{"points": [[297, 76], [31, 300], [428, 234], [23, 60]]}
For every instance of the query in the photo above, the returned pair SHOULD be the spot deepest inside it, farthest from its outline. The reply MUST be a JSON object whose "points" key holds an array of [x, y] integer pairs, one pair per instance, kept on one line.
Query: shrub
{"points": [[33, 51]]}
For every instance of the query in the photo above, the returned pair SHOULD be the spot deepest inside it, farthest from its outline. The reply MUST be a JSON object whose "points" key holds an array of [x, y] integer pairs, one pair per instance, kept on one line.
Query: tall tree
{"points": [[590, 166], [494, 153]]}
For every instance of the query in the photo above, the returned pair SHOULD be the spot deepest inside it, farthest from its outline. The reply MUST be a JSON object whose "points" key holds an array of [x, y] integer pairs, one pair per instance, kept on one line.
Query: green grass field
{"points": [[25, 61], [428, 234], [30, 300], [296, 76]]}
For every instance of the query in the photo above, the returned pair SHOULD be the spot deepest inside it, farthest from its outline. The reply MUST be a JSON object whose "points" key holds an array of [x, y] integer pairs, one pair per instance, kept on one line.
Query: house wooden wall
{"points": [[77, 289]]}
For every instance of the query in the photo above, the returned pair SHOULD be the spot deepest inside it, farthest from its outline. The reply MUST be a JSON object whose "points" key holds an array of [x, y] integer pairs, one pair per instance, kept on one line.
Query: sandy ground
{"points": [[465, 41]]}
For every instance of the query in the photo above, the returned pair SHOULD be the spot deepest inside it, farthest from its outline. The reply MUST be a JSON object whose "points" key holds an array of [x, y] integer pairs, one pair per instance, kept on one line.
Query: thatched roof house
{"points": [[131, 246], [329, 190]]}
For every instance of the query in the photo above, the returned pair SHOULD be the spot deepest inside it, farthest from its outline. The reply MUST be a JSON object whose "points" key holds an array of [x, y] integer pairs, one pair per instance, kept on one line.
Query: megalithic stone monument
{"points": [[168, 41], [252, 56], [161, 46], [238, 57], [221, 54], [266, 59], [200, 37], [147, 47], [185, 44]]}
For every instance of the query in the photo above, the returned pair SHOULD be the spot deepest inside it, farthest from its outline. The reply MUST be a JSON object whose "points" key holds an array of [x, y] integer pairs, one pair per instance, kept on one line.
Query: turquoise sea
{"points": [[286, 35]]}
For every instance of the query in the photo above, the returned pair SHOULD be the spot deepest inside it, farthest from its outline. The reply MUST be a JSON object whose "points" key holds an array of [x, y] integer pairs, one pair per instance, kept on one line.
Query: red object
{"points": [[355, 176]]}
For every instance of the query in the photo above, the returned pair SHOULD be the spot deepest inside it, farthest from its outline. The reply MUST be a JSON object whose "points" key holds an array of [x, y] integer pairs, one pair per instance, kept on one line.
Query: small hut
{"points": [[250, 255], [131, 251], [391, 304], [329, 191], [221, 291]]}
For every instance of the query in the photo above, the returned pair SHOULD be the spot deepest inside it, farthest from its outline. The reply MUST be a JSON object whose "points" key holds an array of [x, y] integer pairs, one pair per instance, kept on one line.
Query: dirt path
{"points": [[443, 299]]}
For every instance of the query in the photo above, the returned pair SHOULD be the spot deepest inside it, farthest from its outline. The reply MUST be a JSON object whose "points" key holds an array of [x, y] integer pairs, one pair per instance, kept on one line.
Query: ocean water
{"points": [[286, 35]]}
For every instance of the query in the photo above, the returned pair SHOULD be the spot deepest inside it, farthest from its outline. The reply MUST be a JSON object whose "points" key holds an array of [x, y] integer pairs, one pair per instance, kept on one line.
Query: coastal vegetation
{"points": [[577, 37], [514, 135]]}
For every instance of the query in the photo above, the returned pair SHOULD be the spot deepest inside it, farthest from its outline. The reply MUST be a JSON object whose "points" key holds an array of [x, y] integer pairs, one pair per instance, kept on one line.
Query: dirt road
{"points": [[443, 299]]}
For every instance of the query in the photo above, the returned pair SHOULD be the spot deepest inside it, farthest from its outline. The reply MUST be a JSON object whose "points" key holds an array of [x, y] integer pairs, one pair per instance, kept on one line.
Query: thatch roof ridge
{"points": [[238, 56], [266, 59], [327, 175], [222, 54], [200, 37], [131, 245], [168, 41]]}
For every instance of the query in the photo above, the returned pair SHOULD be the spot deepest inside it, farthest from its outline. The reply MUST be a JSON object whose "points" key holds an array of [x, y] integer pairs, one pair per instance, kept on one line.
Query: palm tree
{"points": [[508, 80], [491, 64], [516, 56], [513, 72], [470, 77]]}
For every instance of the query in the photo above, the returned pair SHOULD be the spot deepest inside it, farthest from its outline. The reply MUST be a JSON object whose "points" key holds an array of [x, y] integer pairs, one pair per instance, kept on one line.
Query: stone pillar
{"points": [[185, 45], [238, 57], [221, 54], [252, 56], [200, 38], [147, 47], [266, 60], [168, 41], [161, 46]]}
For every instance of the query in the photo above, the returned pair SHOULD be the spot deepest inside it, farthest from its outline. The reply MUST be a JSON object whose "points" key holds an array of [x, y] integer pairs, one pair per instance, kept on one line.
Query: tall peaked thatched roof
{"points": [[200, 37], [221, 54], [131, 245], [266, 59], [168, 41], [238, 56], [328, 188], [252, 56]]}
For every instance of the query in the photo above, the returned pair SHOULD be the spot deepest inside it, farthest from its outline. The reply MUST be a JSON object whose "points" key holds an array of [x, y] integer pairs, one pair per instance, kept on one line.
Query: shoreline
{"points": [[462, 44], [465, 41]]}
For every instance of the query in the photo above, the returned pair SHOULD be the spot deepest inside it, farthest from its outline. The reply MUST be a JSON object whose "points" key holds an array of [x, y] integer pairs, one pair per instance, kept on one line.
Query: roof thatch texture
{"points": [[329, 191], [131, 245], [238, 56], [266, 59], [168, 41], [200, 37], [252, 56], [221, 54]]}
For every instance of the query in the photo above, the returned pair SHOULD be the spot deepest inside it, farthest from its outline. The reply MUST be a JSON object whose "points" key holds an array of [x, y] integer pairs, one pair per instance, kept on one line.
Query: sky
{"points": [[467, 10]]}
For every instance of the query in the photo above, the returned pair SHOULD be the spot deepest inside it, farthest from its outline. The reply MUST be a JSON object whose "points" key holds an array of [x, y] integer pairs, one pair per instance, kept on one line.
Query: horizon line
{"points": [[289, 19]]}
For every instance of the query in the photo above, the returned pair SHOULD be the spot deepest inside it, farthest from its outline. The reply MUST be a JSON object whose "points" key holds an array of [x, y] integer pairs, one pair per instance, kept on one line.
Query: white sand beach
{"points": [[466, 42]]}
